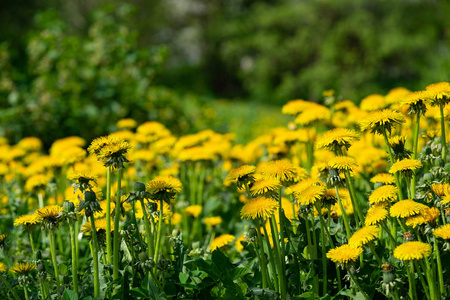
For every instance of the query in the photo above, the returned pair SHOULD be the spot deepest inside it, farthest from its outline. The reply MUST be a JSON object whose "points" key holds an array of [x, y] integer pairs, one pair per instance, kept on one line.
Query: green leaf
{"points": [[239, 272], [183, 277], [70, 295], [62, 268]]}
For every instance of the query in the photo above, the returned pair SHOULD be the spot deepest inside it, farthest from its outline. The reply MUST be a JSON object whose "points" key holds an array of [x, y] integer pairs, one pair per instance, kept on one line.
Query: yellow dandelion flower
{"points": [[82, 177], [49, 213], [295, 107], [314, 113], [406, 208], [37, 182], [30, 144], [310, 195], [343, 163], [384, 178], [212, 221], [385, 193], [373, 102], [364, 236], [439, 93], [260, 207], [241, 174], [344, 105], [446, 199], [238, 244], [336, 139], [415, 97], [2, 240], [3, 267], [72, 155], [27, 221], [405, 166], [381, 120], [282, 170], [375, 214], [443, 232], [440, 189], [101, 213], [164, 188], [222, 241], [100, 225], [344, 254], [176, 218], [396, 95], [193, 210], [412, 251], [265, 185], [126, 123], [428, 215], [22, 268]]}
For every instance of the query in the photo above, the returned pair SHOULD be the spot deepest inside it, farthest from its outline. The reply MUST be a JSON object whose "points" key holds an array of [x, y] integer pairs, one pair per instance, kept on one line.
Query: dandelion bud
{"points": [[439, 162], [388, 275], [89, 196], [428, 150], [428, 177], [407, 237], [176, 233], [68, 206], [143, 256], [139, 187]]}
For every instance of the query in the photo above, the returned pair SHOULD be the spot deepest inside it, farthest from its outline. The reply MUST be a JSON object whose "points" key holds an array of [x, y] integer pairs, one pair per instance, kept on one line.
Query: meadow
{"points": [[343, 201]]}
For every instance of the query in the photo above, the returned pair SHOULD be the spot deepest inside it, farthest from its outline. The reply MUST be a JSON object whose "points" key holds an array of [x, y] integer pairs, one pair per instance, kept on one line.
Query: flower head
{"points": [[439, 93], [28, 221], [242, 175], [344, 254], [2, 268], [212, 221], [412, 251], [221, 241], [428, 215], [110, 151], [126, 123], [375, 214], [260, 207], [193, 210], [2, 240], [22, 268], [37, 182], [405, 166], [416, 102], [282, 170], [381, 120], [373, 102], [406, 208], [443, 232], [164, 188], [384, 178], [310, 195], [336, 139], [342, 163], [363, 236], [50, 216], [385, 193], [265, 186]]}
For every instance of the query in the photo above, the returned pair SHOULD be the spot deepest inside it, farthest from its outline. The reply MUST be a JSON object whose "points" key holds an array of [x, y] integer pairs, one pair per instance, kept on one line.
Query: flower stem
{"points": [[352, 276], [271, 259], [412, 283], [116, 228], [263, 263], [415, 145], [25, 291], [324, 257], [439, 264], [148, 230], [276, 246], [422, 280], [372, 248], [344, 214], [95, 257], [51, 237], [74, 259], [443, 139], [108, 215], [158, 238], [391, 158]]}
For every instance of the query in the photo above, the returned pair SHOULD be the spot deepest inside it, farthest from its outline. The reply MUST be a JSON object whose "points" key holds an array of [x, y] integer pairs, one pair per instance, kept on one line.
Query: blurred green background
{"points": [[76, 67]]}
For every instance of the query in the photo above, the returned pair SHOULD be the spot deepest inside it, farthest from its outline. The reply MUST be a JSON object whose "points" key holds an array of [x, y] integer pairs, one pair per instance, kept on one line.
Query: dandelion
{"points": [[238, 243], [416, 102], [385, 193], [282, 170], [412, 251], [405, 166], [193, 210], [343, 163], [126, 123], [310, 195], [242, 175], [49, 216], [443, 232], [427, 216], [295, 107], [37, 182], [164, 188], [364, 236], [337, 139], [406, 208], [381, 121], [375, 215], [267, 186], [22, 268], [344, 254], [3, 268], [222, 241], [28, 221], [260, 207], [314, 113], [212, 221], [384, 178], [373, 102]]}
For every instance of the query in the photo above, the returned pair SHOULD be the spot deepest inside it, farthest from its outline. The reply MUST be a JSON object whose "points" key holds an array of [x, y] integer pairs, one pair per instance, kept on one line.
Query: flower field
{"points": [[345, 201]]}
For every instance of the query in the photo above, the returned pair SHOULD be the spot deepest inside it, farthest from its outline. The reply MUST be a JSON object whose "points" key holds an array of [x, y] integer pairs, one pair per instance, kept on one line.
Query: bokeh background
{"points": [[76, 67]]}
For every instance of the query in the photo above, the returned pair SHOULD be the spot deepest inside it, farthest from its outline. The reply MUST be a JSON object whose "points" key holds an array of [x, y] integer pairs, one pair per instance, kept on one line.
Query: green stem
{"points": [[51, 237], [263, 263], [158, 238], [314, 237], [434, 293], [95, 257], [412, 282], [8, 286], [271, 259], [25, 291], [391, 158], [324, 254], [32, 244], [415, 146], [148, 230], [116, 229], [443, 138], [74, 259], [422, 280], [276, 247], [386, 229], [439, 264], [344, 214], [351, 188], [372, 248], [109, 251]]}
